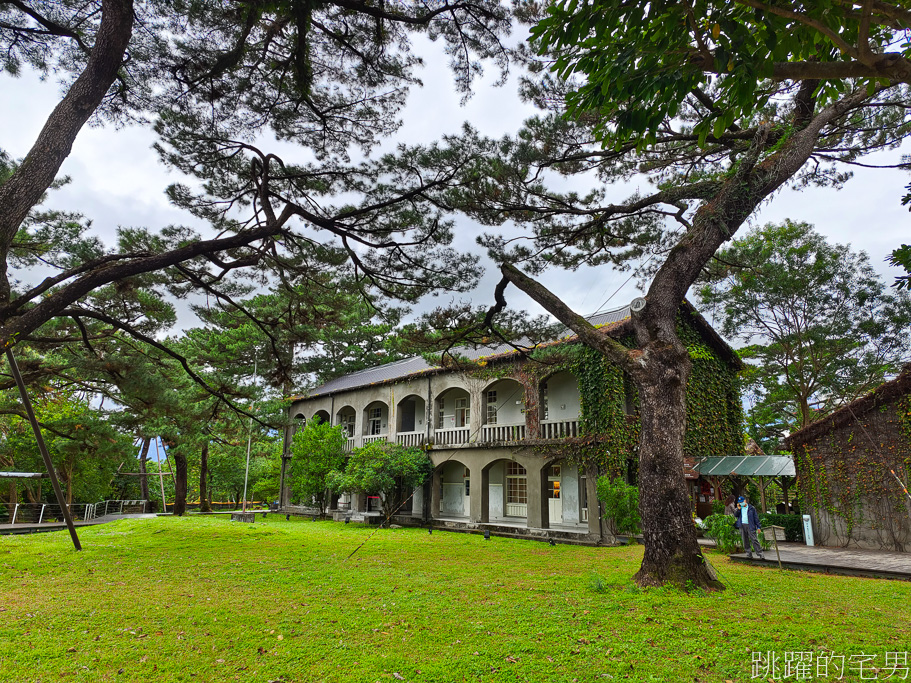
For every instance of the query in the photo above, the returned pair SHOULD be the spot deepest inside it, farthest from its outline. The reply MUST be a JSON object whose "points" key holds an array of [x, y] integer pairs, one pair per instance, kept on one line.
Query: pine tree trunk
{"points": [[180, 483], [204, 505], [672, 554], [143, 459]]}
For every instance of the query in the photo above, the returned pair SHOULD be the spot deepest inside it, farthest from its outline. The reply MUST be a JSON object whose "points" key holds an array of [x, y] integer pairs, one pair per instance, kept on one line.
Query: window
{"points": [[463, 412], [491, 407], [553, 489], [544, 411], [347, 423], [583, 496], [514, 469], [440, 414], [553, 482], [467, 482], [375, 423], [516, 490]]}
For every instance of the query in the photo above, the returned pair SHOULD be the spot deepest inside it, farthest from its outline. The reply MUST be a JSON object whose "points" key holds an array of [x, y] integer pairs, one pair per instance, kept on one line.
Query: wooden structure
{"points": [[759, 470]]}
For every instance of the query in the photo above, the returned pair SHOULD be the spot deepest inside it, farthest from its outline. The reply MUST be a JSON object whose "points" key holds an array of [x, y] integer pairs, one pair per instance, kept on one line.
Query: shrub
{"points": [[388, 469], [621, 505], [717, 507], [793, 524], [720, 528]]}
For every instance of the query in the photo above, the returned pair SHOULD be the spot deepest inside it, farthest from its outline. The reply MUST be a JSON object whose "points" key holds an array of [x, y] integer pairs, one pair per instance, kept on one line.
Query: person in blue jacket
{"points": [[747, 520]]}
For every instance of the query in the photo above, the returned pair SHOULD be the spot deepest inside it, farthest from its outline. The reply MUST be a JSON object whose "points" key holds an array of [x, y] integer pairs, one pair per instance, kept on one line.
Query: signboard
{"points": [[808, 530]]}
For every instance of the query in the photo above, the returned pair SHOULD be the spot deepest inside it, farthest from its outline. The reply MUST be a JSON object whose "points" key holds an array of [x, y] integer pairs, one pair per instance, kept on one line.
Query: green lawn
{"points": [[204, 599]]}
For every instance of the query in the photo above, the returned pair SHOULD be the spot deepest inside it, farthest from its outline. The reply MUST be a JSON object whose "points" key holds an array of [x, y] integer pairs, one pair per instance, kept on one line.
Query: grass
{"points": [[204, 599]]}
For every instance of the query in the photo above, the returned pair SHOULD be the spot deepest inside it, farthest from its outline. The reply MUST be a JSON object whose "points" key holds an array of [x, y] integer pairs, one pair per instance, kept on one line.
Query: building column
{"points": [[532, 410], [478, 404], [480, 494], [436, 487], [594, 505], [417, 502], [538, 512]]}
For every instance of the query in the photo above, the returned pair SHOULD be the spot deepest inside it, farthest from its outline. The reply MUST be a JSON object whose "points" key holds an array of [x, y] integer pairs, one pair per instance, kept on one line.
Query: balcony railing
{"points": [[493, 433], [460, 436], [409, 439], [559, 429], [451, 437]]}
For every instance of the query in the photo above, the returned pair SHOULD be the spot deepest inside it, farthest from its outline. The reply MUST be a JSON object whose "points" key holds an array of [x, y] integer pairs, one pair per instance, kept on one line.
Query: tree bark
{"points": [[203, 475], [672, 554], [180, 483], [143, 459], [34, 176]]}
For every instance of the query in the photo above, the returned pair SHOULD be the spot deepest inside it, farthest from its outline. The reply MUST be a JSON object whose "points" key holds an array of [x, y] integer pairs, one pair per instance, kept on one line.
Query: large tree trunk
{"points": [[204, 505], [672, 554], [143, 459]]}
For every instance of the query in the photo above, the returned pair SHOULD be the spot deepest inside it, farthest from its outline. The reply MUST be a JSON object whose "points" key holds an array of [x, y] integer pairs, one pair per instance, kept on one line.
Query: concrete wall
{"points": [[510, 402], [563, 401], [852, 478]]}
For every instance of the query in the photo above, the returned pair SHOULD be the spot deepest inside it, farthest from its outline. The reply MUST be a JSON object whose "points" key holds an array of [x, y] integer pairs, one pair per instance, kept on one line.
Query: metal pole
{"points": [[42, 447], [249, 439], [15, 510], [41, 516], [164, 505]]}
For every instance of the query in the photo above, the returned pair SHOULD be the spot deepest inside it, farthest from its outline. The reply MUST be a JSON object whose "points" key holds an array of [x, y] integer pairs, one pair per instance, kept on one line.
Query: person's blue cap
{"points": [[741, 500]]}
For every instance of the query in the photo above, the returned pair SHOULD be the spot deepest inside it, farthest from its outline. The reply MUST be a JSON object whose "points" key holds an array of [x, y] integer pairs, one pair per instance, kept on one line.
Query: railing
{"points": [[349, 444], [492, 433], [39, 513], [451, 437], [409, 439], [559, 429], [371, 439]]}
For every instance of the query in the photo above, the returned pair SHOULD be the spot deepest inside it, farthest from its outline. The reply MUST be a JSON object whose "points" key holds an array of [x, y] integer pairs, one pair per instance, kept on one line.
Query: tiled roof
{"points": [[416, 365]]}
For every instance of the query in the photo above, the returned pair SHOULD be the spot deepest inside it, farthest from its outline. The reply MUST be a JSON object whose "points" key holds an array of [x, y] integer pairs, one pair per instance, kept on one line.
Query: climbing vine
{"points": [[846, 475], [713, 408]]}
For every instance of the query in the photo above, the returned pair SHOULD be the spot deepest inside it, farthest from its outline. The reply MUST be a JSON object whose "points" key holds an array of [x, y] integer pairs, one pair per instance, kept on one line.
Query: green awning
{"points": [[747, 466]]}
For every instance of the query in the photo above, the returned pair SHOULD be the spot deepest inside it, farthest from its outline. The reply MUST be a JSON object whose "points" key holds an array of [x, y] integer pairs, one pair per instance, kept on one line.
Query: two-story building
{"points": [[517, 440]]}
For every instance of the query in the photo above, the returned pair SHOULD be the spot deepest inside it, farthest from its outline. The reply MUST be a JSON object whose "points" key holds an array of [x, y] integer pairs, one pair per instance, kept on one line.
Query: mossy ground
{"points": [[205, 599]]}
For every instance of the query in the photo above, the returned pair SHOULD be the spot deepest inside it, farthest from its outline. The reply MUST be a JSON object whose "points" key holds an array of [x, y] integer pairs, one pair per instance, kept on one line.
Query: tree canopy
{"points": [[331, 77], [820, 325]]}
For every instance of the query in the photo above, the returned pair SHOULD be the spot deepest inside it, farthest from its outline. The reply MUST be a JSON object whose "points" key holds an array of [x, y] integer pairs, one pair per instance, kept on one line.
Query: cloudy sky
{"points": [[118, 180]]}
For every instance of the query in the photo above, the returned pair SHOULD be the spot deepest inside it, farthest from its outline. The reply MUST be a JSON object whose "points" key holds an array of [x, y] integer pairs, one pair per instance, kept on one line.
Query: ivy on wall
{"points": [[846, 474], [713, 408]]}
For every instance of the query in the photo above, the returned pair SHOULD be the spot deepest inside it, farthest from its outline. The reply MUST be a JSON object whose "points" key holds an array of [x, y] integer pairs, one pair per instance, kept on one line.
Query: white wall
{"points": [[449, 409], [453, 477], [384, 418], [508, 393], [569, 492], [563, 397]]}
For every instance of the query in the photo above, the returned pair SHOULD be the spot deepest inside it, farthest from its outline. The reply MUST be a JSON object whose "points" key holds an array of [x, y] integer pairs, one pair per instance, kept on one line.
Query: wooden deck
{"points": [[846, 561], [31, 528]]}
